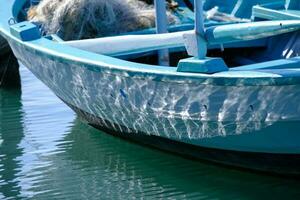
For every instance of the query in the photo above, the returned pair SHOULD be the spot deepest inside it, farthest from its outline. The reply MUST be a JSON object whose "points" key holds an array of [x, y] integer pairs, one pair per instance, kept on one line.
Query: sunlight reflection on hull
{"points": [[174, 110]]}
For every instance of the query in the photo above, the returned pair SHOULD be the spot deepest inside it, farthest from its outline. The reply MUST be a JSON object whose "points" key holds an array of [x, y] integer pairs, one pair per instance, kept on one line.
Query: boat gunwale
{"points": [[101, 63]]}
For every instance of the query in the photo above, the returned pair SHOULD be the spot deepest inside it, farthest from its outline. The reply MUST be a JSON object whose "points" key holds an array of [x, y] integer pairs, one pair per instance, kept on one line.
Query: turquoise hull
{"points": [[241, 112], [164, 106]]}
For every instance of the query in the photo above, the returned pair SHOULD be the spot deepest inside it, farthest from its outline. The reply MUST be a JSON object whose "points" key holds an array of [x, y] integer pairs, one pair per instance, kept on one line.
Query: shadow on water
{"points": [[92, 165], [9, 71], [11, 134]]}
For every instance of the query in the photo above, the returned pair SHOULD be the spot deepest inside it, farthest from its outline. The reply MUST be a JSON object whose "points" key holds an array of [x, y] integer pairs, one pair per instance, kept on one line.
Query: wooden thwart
{"points": [[130, 44]]}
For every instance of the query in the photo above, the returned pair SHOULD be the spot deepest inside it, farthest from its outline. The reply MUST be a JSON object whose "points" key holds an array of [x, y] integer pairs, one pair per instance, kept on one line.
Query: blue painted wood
{"points": [[17, 9], [145, 70], [249, 31], [238, 8], [224, 6], [199, 29], [292, 63], [292, 4], [206, 65], [199, 20], [25, 31], [266, 13], [242, 7], [162, 27]]}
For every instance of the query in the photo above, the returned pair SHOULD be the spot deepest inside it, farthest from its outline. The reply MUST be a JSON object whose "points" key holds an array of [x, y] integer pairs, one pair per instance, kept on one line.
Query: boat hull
{"points": [[249, 126]]}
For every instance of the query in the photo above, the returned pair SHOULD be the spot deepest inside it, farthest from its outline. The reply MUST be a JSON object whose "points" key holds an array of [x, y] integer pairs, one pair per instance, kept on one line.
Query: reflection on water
{"points": [[9, 71], [46, 153], [11, 134]]}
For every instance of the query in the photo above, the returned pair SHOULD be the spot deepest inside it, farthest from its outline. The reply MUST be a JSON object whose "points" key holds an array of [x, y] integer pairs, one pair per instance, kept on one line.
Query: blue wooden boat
{"points": [[235, 101]]}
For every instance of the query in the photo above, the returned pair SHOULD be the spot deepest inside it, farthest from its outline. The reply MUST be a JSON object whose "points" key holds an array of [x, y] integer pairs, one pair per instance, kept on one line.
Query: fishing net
{"points": [[82, 19]]}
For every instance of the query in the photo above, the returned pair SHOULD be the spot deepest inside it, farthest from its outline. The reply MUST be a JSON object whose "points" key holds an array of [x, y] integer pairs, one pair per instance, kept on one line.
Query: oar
{"points": [[249, 31], [122, 45], [129, 44]]}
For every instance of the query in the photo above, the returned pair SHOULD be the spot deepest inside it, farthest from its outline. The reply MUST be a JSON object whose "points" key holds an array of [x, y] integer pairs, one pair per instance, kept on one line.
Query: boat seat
{"points": [[260, 12]]}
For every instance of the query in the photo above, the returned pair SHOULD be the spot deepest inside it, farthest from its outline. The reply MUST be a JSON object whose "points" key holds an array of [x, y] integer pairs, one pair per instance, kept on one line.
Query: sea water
{"points": [[46, 152]]}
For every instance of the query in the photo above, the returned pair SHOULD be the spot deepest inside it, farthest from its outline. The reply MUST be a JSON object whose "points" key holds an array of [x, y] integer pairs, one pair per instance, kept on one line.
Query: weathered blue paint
{"points": [[239, 8], [292, 5], [266, 13], [199, 28], [162, 27], [206, 65], [25, 31], [292, 63], [17, 9]]}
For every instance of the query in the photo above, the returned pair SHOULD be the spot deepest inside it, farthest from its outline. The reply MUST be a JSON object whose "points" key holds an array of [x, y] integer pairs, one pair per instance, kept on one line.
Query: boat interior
{"points": [[259, 46]]}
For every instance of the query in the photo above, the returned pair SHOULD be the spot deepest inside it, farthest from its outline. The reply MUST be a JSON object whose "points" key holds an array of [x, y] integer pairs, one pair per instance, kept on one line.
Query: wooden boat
{"points": [[238, 107]]}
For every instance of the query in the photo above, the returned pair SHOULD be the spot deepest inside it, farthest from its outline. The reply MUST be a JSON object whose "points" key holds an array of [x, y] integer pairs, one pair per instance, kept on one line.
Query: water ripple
{"points": [[46, 153]]}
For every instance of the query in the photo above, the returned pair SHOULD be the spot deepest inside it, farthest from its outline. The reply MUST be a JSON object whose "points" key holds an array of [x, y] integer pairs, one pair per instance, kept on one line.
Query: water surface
{"points": [[47, 153]]}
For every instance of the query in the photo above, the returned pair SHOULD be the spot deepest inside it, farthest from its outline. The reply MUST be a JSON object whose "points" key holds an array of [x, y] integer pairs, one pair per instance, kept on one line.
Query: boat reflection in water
{"points": [[28, 134], [90, 164], [11, 134], [9, 70]]}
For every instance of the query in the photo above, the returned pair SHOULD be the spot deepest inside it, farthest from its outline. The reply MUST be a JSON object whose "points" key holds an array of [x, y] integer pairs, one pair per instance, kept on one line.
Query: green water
{"points": [[47, 153]]}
